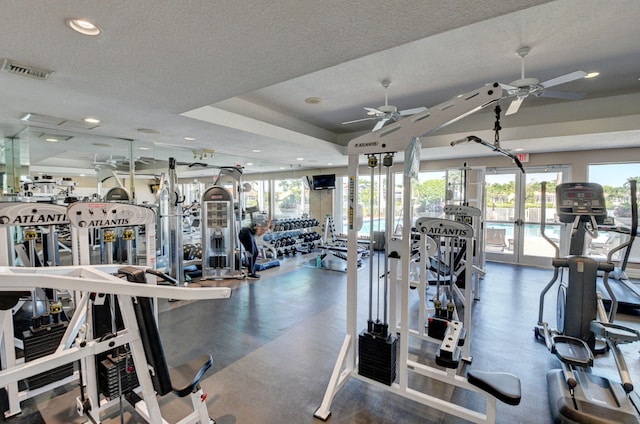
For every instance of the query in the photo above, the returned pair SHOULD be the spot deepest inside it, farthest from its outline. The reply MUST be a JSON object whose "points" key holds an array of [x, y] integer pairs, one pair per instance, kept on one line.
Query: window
{"points": [[614, 179], [291, 199]]}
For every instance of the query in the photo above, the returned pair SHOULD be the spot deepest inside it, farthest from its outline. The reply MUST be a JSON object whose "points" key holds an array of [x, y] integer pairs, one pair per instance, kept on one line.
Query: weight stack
{"points": [[42, 341], [115, 373], [377, 357]]}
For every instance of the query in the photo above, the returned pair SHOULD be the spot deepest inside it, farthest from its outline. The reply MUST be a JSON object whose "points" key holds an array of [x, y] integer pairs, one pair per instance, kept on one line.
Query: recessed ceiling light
{"points": [[149, 131], [84, 26], [519, 149], [313, 100], [91, 120], [190, 139], [82, 175], [143, 148], [256, 150], [282, 167], [330, 163], [592, 74], [51, 140], [249, 163], [299, 158]]}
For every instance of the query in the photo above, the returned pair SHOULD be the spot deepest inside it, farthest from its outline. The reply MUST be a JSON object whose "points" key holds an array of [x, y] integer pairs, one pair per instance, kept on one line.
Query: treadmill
{"points": [[625, 293]]}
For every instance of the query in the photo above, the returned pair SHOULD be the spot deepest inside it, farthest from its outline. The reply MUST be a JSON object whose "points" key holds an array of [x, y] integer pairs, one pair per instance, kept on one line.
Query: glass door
{"points": [[513, 212]]}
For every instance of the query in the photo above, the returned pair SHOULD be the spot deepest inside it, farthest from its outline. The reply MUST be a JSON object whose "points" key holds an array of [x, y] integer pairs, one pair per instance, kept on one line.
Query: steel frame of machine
{"points": [[77, 344], [403, 135], [13, 215]]}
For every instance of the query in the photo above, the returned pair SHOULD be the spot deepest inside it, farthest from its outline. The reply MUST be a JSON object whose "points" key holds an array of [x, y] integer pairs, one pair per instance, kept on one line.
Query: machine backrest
{"points": [[149, 334]]}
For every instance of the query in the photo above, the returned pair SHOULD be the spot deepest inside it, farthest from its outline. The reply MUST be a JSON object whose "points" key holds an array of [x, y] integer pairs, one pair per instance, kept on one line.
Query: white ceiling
{"points": [[234, 75]]}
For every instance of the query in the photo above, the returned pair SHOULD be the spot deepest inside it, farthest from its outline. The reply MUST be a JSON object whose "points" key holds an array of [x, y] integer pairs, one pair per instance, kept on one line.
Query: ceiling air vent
{"points": [[24, 70]]}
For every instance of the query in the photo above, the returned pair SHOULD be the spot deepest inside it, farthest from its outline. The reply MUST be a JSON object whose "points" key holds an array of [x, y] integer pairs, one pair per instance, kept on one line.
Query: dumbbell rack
{"points": [[291, 236]]}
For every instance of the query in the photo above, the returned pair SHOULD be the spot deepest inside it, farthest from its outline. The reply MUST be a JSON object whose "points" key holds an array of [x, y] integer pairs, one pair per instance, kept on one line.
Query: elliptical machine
{"points": [[576, 395]]}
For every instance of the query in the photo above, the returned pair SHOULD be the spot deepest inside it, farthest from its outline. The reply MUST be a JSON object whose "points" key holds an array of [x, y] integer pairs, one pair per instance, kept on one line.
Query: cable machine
{"points": [[38, 226], [404, 136], [114, 221], [222, 206]]}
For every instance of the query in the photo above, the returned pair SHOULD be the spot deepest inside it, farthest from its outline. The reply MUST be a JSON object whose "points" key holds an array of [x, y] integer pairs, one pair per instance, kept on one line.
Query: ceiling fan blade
{"points": [[360, 120], [514, 106], [564, 79], [508, 87], [568, 95], [380, 124], [412, 111]]}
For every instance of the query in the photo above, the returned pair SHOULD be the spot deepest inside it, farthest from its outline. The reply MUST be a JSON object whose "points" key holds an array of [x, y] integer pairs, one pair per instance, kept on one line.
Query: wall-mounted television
{"points": [[324, 182]]}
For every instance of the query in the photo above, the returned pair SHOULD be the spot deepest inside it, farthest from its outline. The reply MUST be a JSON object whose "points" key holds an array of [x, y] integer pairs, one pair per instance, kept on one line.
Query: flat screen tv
{"points": [[324, 182]]}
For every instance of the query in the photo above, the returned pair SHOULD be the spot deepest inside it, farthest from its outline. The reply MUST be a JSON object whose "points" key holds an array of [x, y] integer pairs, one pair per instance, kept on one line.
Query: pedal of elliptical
{"points": [[572, 351], [614, 332]]}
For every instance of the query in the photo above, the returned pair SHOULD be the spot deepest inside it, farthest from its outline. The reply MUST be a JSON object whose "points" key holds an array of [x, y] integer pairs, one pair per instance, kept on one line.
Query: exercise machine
{"points": [[139, 335], [29, 235], [219, 235], [472, 216], [393, 371], [623, 291], [131, 228], [576, 393], [46, 189], [441, 241], [333, 249]]}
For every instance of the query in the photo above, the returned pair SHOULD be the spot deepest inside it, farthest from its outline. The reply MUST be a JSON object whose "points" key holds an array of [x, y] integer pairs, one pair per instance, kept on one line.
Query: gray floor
{"points": [[276, 340]]}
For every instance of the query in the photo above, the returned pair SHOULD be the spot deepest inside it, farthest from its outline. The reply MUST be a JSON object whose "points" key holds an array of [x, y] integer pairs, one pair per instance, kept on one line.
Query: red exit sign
{"points": [[523, 157]]}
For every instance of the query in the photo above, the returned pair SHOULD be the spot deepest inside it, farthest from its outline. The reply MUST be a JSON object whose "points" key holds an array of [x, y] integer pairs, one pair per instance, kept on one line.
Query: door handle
{"points": [[519, 222]]}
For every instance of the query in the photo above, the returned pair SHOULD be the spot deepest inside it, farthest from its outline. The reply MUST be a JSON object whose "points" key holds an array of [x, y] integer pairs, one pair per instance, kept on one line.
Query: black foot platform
{"points": [[596, 400]]}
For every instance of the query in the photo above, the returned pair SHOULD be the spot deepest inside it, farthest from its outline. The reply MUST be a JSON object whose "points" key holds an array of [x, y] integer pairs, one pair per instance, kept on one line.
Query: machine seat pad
{"points": [[185, 378], [502, 385]]}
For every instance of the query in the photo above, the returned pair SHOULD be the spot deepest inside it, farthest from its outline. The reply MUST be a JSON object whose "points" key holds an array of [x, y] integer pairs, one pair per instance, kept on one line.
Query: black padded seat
{"points": [[502, 385], [185, 378]]}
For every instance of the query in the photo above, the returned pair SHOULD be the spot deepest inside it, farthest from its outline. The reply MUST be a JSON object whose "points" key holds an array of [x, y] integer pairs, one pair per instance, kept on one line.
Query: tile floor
{"points": [[276, 340]]}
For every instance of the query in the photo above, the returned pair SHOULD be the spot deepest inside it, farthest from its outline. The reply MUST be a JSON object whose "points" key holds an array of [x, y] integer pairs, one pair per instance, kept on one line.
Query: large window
{"points": [[429, 194], [291, 199], [257, 195], [614, 179]]}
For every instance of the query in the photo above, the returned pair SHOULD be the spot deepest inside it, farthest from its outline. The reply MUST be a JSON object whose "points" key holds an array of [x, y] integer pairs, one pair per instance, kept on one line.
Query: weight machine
{"points": [[381, 361], [117, 223], [222, 206], [39, 225], [139, 333], [441, 239]]}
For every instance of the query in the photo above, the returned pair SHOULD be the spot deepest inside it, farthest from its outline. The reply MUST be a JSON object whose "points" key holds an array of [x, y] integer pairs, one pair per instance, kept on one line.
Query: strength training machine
{"points": [[139, 335], [385, 358], [35, 320]]}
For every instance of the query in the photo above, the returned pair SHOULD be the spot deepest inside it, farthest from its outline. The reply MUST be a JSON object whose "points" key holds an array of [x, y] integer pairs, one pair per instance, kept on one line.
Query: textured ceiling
{"points": [[234, 75]]}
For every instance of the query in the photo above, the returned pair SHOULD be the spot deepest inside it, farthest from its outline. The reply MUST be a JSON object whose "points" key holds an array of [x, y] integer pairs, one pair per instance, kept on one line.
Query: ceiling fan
{"points": [[140, 159], [523, 87], [110, 163], [386, 112]]}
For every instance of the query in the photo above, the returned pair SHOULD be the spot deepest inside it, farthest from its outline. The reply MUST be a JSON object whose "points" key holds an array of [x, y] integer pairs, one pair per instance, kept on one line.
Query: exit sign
{"points": [[523, 157]]}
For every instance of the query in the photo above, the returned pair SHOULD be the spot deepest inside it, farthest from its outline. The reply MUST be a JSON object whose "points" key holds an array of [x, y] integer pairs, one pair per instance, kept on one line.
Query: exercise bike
{"points": [[576, 394]]}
